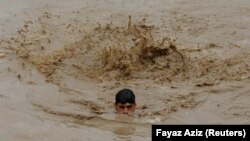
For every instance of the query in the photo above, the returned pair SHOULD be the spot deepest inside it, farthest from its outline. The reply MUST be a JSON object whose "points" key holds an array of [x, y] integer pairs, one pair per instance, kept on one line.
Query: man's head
{"points": [[125, 102]]}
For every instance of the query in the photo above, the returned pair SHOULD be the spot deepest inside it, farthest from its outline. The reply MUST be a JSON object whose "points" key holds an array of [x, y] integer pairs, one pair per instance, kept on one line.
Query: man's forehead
{"points": [[126, 104]]}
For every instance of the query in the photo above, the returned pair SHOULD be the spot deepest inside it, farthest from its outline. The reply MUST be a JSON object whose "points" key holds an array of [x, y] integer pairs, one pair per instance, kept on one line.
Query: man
{"points": [[125, 102]]}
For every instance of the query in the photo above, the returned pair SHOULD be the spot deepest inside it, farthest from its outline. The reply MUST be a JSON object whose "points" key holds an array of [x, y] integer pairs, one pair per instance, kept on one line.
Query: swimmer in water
{"points": [[125, 102]]}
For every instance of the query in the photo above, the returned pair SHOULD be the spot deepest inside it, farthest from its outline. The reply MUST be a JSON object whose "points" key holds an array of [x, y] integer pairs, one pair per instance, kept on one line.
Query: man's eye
{"points": [[129, 107]]}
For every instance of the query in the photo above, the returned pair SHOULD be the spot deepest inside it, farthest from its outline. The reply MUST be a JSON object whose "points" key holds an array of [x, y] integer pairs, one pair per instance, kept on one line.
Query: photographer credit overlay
{"points": [[200, 132]]}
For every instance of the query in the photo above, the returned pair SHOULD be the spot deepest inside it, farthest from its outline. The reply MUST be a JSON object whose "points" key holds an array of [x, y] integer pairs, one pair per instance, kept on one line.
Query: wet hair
{"points": [[125, 96]]}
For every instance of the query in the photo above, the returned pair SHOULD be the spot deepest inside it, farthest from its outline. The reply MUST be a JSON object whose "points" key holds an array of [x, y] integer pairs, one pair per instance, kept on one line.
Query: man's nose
{"points": [[125, 111]]}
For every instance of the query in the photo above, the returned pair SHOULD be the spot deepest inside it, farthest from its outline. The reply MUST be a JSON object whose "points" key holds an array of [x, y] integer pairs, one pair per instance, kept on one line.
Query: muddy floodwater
{"points": [[62, 62]]}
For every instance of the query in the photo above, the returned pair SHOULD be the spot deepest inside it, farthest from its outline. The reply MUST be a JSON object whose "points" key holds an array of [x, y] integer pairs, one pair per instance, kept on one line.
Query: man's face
{"points": [[127, 108]]}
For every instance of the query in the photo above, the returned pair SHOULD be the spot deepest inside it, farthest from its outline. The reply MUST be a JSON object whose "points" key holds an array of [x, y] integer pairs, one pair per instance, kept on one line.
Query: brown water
{"points": [[62, 62]]}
